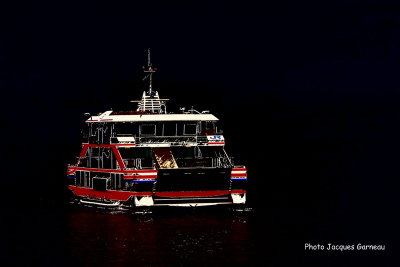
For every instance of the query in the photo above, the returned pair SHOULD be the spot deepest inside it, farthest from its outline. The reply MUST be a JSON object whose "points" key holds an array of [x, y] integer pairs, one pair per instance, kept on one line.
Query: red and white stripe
{"points": [[141, 174], [239, 173], [216, 143]]}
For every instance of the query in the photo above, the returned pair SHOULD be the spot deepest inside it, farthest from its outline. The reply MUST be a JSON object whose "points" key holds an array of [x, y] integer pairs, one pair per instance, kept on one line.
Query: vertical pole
{"points": [[151, 73], [111, 159], [89, 157], [98, 158]]}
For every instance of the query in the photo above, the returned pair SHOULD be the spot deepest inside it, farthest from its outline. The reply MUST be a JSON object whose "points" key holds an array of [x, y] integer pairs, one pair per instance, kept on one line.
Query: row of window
{"points": [[142, 157], [167, 129], [153, 129]]}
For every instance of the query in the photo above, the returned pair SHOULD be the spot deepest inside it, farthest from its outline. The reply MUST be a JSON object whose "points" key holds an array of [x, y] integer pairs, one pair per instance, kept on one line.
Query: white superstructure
{"points": [[107, 116]]}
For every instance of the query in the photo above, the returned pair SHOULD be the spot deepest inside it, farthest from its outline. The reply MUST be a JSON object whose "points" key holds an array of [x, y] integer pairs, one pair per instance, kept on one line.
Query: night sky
{"points": [[307, 92]]}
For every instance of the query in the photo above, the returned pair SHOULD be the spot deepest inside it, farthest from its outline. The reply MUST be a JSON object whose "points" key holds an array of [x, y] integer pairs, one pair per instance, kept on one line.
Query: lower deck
{"points": [[157, 176]]}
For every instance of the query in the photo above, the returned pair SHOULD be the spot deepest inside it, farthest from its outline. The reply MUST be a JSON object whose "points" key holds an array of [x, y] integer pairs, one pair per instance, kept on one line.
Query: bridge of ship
{"points": [[153, 129]]}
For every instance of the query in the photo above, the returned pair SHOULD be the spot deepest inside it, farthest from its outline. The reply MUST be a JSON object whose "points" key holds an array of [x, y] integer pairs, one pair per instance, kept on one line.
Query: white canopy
{"points": [[107, 117]]}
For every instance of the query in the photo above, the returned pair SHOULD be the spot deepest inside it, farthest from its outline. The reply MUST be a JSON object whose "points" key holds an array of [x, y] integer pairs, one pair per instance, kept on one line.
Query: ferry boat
{"points": [[151, 157]]}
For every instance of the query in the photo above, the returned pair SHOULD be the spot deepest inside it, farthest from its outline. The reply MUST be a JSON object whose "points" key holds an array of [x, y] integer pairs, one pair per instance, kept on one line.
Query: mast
{"points": [[150, 71], [150, 100]]}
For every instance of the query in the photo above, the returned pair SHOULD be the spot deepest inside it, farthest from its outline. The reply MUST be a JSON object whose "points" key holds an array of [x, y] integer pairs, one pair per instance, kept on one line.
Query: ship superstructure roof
{"points": [[107, 117]]}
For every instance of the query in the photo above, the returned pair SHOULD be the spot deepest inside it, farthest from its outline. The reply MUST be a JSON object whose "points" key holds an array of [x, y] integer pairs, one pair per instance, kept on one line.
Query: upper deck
{"points": [[110, 116], [151, 125]]}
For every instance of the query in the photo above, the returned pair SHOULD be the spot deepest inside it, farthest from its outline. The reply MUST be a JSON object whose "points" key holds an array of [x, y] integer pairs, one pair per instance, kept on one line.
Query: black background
{"points": [[307, 93]]}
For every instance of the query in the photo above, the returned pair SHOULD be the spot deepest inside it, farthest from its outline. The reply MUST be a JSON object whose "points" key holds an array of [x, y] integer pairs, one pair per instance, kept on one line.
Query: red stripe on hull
{"points": [[239, 169], [73, 169], [238, 175], [238, 191], [108, 145], [140, 176], [125, 195], [140, 171], [109, 194]]}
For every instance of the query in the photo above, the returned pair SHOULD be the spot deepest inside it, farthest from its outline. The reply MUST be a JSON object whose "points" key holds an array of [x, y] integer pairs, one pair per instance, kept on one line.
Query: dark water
{"points": [[80, 236], [77, 236], [151, 239]]}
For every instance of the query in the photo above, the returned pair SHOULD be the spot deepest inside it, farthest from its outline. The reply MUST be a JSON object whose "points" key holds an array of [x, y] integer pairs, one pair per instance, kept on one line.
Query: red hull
{"points": [[125, 195]]}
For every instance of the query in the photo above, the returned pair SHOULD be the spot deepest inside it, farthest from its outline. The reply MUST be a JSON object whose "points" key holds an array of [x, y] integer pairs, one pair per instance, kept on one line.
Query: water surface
{"points": [[183, 237]]}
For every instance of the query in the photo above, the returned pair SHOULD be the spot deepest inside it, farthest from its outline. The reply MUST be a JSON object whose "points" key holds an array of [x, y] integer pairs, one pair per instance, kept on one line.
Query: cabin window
{"points": [[183, 152], [137, 157], [179, 128], [159, 129], [132, 153], [208, 128], [100, 157], [190, 129], [125, 128], [148, 129], [170, 129]]}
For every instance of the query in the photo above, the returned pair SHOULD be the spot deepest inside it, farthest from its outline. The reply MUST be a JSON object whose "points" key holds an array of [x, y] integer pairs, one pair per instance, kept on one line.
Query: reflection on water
{"points": [[177, 238]]}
